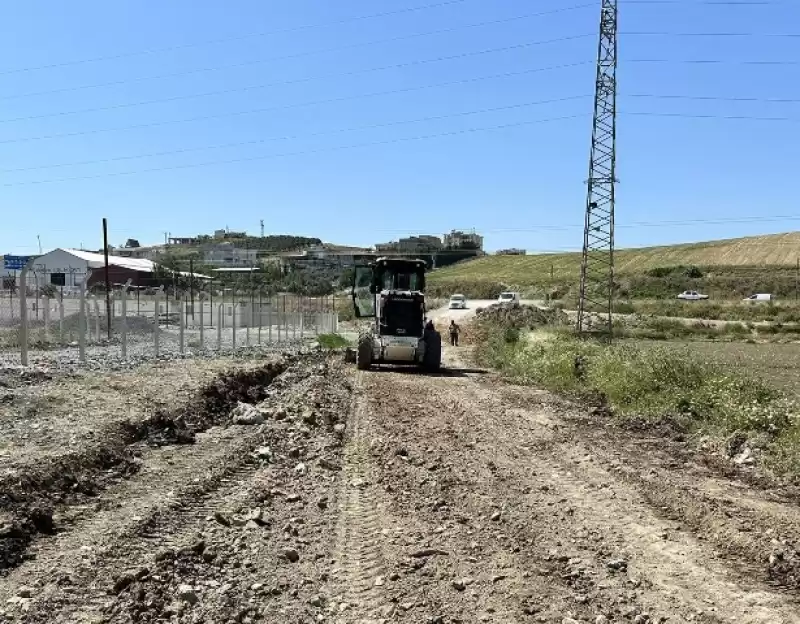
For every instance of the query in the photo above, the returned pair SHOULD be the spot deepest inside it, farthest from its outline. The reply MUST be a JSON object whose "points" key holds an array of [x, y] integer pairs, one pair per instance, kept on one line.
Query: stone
{"points": [[245, 414], [617, 564], [495, 516], [291, 555], [187, 594], [459, 585], [263, 453]]}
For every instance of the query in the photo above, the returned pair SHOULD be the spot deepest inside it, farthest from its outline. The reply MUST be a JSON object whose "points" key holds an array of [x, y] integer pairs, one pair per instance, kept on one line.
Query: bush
{"points": [[332, 341], [650, 381]]}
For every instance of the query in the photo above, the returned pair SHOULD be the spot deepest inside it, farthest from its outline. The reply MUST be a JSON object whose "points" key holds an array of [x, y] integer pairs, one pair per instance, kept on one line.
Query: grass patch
{"points": [[332, 341], [656, 383]]}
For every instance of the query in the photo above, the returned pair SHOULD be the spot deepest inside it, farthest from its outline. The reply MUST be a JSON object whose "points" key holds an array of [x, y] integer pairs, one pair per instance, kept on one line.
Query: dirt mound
{"points": [[71, 477], [520, 316]]}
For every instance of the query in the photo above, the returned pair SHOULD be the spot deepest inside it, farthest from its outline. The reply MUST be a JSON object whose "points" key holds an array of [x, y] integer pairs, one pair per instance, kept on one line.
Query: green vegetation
{"points": [[726, 269], [691, 388], [724, 311], [332, 341]]}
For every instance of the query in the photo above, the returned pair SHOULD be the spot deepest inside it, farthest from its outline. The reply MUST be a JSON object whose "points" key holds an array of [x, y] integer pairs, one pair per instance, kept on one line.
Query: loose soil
{"points": [[392, 496]]}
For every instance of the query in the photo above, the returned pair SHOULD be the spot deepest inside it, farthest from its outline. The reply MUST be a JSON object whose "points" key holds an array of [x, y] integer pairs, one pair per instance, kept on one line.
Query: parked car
{"points": [[692, 295], [458, 302], [508, 297], [759, 297]]}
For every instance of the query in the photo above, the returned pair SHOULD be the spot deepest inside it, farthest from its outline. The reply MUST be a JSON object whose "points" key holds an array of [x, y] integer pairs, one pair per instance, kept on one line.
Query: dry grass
{"points": [[776, 250], [779, 364]]}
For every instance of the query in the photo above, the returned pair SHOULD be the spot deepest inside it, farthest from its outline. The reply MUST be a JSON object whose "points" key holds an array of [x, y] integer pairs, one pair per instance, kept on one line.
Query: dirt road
{"points": [[387, 496]]}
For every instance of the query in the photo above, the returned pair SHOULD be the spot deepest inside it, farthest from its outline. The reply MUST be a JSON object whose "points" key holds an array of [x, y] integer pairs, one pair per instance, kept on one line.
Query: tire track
{"points": [[361, 565]]}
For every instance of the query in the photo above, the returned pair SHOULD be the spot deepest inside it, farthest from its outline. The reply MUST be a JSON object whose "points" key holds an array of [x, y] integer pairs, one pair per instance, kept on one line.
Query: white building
{"points": [[227, 255], [69, 268]]}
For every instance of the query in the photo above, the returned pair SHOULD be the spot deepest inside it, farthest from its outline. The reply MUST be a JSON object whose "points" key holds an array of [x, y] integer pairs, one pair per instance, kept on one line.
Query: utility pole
{"points": [[108, 282], [191, 283], [597, 263]]}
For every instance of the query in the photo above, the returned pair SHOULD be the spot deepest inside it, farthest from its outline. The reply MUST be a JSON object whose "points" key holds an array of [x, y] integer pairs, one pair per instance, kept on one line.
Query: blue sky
{"points": [[303, 167]]}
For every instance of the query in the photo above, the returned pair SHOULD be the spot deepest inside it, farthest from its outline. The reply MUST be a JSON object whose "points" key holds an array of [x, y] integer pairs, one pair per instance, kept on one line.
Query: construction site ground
{"points": [[300, 490]]}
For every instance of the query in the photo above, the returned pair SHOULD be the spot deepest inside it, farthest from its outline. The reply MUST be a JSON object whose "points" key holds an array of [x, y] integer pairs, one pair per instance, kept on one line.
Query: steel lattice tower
{"points": [[597, 264]]}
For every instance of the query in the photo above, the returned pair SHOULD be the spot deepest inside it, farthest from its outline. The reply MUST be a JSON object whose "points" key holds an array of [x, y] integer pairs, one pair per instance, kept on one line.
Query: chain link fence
{"points": [[73, 318]]}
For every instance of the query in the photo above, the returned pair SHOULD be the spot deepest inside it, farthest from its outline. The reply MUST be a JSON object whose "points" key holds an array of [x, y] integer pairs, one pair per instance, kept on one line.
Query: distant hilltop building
{"points": [[457, 239], [411, 244], [426, 243], [510, 252]]}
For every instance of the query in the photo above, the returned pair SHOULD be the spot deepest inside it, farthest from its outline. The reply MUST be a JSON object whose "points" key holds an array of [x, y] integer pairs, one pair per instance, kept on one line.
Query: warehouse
{"points": [[68, 268]]}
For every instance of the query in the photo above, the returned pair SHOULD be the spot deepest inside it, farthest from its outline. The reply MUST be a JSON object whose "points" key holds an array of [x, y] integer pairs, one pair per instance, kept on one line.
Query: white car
{"points": [[692, 295], [458, 302], [759, 297], [508, 297]]}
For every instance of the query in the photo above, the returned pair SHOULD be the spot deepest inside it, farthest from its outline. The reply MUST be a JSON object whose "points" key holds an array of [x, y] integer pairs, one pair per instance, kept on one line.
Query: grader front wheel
{"points": [[364, 352]]}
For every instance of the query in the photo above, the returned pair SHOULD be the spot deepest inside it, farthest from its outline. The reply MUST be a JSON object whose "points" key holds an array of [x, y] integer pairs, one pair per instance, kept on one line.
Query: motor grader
{"points": [[392, 291]]}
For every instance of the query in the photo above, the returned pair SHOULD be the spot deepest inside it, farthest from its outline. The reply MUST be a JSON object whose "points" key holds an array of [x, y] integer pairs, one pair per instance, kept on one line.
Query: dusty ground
{"points": [[389, 496]]}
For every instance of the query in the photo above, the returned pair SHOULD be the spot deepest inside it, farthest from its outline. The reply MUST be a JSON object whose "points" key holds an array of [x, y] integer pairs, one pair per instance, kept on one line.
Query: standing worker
{"points": [[454, 330]]}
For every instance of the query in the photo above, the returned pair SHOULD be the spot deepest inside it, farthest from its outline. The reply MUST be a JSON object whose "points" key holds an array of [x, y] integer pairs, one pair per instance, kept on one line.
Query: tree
{"points": [[132, 243]]}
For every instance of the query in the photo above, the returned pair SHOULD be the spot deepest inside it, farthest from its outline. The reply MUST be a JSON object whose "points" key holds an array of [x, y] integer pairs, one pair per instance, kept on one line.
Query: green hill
{"points": [[728, 268]]}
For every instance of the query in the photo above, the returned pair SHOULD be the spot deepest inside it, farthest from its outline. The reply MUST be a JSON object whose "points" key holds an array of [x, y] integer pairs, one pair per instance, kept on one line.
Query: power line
{"points": [[726, 3], [634, 33], [233, 38], [346, 98], [298, 80], [711, 98], [712, 61], [307, 53], [299, 136], [709, 116], [300, 153], [429, 118]]}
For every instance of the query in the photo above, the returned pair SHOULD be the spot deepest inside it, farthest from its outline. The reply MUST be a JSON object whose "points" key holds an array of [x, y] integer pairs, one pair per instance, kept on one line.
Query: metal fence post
{"points": [[294, 320], [202, 329], [181, 323], [96, 319], [269, 319], [249, 322], [220, 314], [285, 320], [83, 323], [23, 315], [233, 325], [156, 335], [124, 325], [61, 320], [46, 318]]}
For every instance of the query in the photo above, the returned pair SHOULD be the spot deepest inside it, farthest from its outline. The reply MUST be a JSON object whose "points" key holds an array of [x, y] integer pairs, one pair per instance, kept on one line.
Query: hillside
{"points": [[735, 266]]}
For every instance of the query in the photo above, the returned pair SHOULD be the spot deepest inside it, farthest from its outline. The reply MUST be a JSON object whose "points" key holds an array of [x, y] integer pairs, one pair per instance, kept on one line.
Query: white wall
{"points": [[59, 261]]}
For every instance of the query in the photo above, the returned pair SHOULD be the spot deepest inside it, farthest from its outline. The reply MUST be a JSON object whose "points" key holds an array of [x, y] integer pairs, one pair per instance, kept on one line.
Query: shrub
{"points": [[332, 341], [650, 381]]}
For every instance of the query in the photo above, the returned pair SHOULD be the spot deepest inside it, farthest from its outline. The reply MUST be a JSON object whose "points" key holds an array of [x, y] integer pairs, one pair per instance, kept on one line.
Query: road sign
{"points": [[15, 263]]}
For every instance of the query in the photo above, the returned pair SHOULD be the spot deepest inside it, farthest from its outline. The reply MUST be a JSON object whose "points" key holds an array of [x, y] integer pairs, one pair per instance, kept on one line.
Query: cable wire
{"points": [[302, 152], [241, 37], [345, 98], [301, 136], [641, 33], [177, 98], [302, 54]]}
